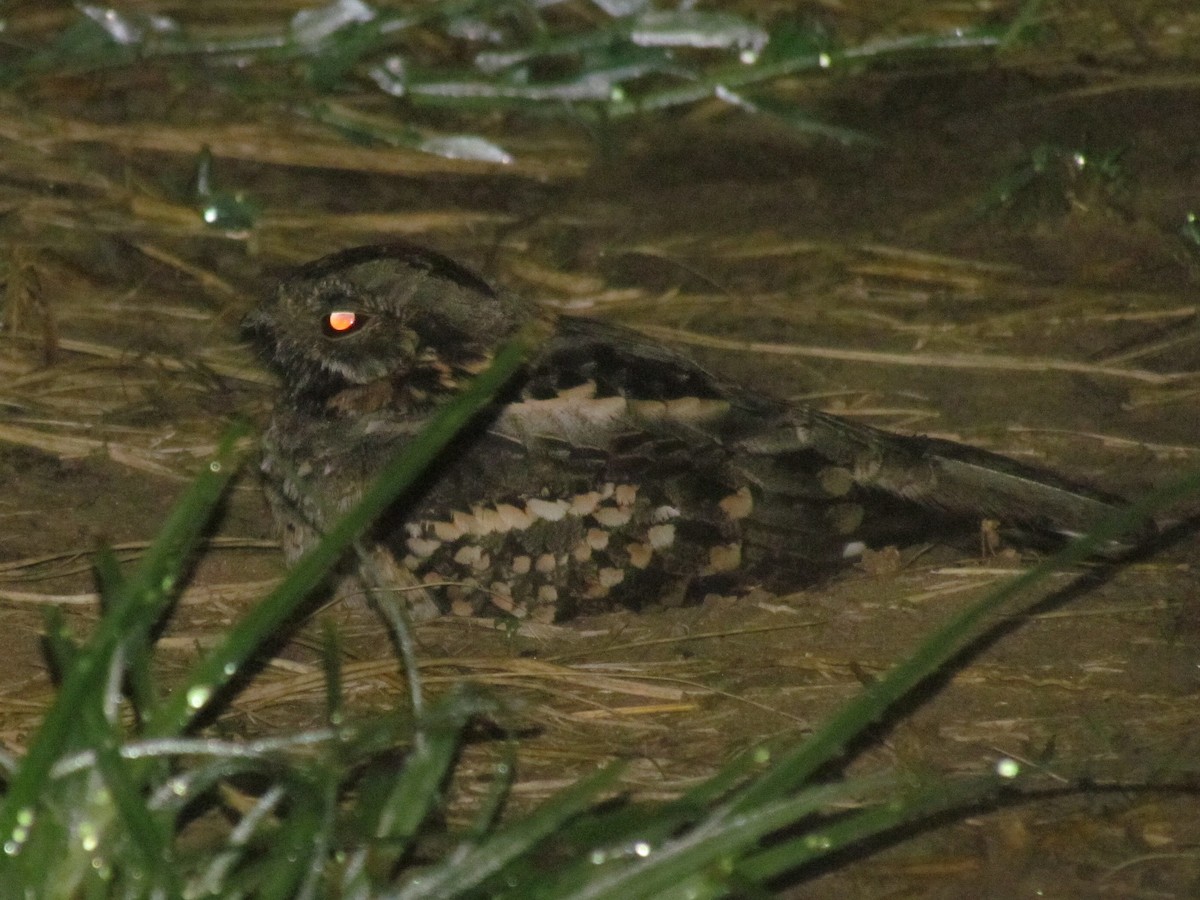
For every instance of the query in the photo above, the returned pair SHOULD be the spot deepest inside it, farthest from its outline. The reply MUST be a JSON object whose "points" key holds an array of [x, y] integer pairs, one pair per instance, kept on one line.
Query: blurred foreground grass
{"points": [[101, 803]]}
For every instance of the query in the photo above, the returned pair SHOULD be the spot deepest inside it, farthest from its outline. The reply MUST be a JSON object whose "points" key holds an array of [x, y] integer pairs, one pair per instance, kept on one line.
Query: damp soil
{"points": [[1057, 324]]}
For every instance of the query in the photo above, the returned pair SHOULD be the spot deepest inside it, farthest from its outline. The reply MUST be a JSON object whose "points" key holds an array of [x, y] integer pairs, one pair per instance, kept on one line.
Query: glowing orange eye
{"points": [[342, 321]]}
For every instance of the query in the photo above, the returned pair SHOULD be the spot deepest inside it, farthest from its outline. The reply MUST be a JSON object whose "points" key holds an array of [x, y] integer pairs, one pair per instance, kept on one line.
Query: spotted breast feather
{"points": [[614, 472]]}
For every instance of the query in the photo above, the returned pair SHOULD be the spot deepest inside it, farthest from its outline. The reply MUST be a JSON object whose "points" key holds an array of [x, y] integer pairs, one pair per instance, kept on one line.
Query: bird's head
{"points": [[387, 311]]}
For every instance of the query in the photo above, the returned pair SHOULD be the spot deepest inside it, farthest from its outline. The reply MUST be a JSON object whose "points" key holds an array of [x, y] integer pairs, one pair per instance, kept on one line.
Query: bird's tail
{"points": [[948, 478]]}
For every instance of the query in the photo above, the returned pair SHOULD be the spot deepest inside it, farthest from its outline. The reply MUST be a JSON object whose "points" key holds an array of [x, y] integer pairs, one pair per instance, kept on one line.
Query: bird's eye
{"points": [[342, 322]]}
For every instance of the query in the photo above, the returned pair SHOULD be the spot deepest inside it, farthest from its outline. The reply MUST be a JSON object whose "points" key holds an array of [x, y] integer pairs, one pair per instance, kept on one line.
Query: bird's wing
{"points": [[603, 387]]}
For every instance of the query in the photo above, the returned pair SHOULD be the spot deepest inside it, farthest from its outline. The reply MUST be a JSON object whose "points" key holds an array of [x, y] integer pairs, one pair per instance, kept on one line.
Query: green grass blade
{"points": [[462, 872], [632, 823], [405, 802], [331, 665], [149, 592], [60, 643], [293, 849], [721, 876], [647, 870], [733, 77], [115, 590], [147, 843], [927, 800], [493, 802]]}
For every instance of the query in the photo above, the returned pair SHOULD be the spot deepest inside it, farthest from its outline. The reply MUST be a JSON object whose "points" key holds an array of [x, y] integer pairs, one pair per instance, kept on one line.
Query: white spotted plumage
{"points": [[613, 471]]}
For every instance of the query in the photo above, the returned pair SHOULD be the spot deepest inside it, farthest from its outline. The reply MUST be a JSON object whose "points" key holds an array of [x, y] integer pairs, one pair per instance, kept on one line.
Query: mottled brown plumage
{"points": [[615, 471]]}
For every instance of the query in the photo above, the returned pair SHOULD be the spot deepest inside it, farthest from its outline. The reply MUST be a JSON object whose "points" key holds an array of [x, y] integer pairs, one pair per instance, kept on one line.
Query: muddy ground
{"points": [[1057, 325]]}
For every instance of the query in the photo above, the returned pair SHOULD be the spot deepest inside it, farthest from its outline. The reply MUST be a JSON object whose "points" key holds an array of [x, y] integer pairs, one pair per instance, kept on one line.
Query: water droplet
{"points": [[824, 60], [641, 848], [214, 466], [232, 212], [597, 857], [229, 669], [1008, 768], [818, 842], [20, 832], [198, 696], [748, 57]]}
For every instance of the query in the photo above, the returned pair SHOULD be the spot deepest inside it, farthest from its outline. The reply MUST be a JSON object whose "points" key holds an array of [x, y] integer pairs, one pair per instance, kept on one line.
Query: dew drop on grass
{"points": [[89, 839], [198, 696], [1008, 768], [20, 832], [818, 842]]}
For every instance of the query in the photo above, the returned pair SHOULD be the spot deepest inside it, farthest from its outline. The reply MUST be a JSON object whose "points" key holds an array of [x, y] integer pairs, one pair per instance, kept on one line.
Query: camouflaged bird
{"points": [[613, 471]]}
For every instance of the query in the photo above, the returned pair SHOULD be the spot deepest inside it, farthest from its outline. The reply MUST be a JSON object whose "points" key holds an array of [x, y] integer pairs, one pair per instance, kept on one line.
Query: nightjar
{"points": [[613, 472]]}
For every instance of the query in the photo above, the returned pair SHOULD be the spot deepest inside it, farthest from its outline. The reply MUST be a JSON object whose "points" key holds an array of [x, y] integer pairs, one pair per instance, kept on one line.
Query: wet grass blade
{"points": [[468, 868], [738, 76], [284, 868], [145, 597], [147, 839], [641, 869], [393, 808], [654, 826], [920, 802]]}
